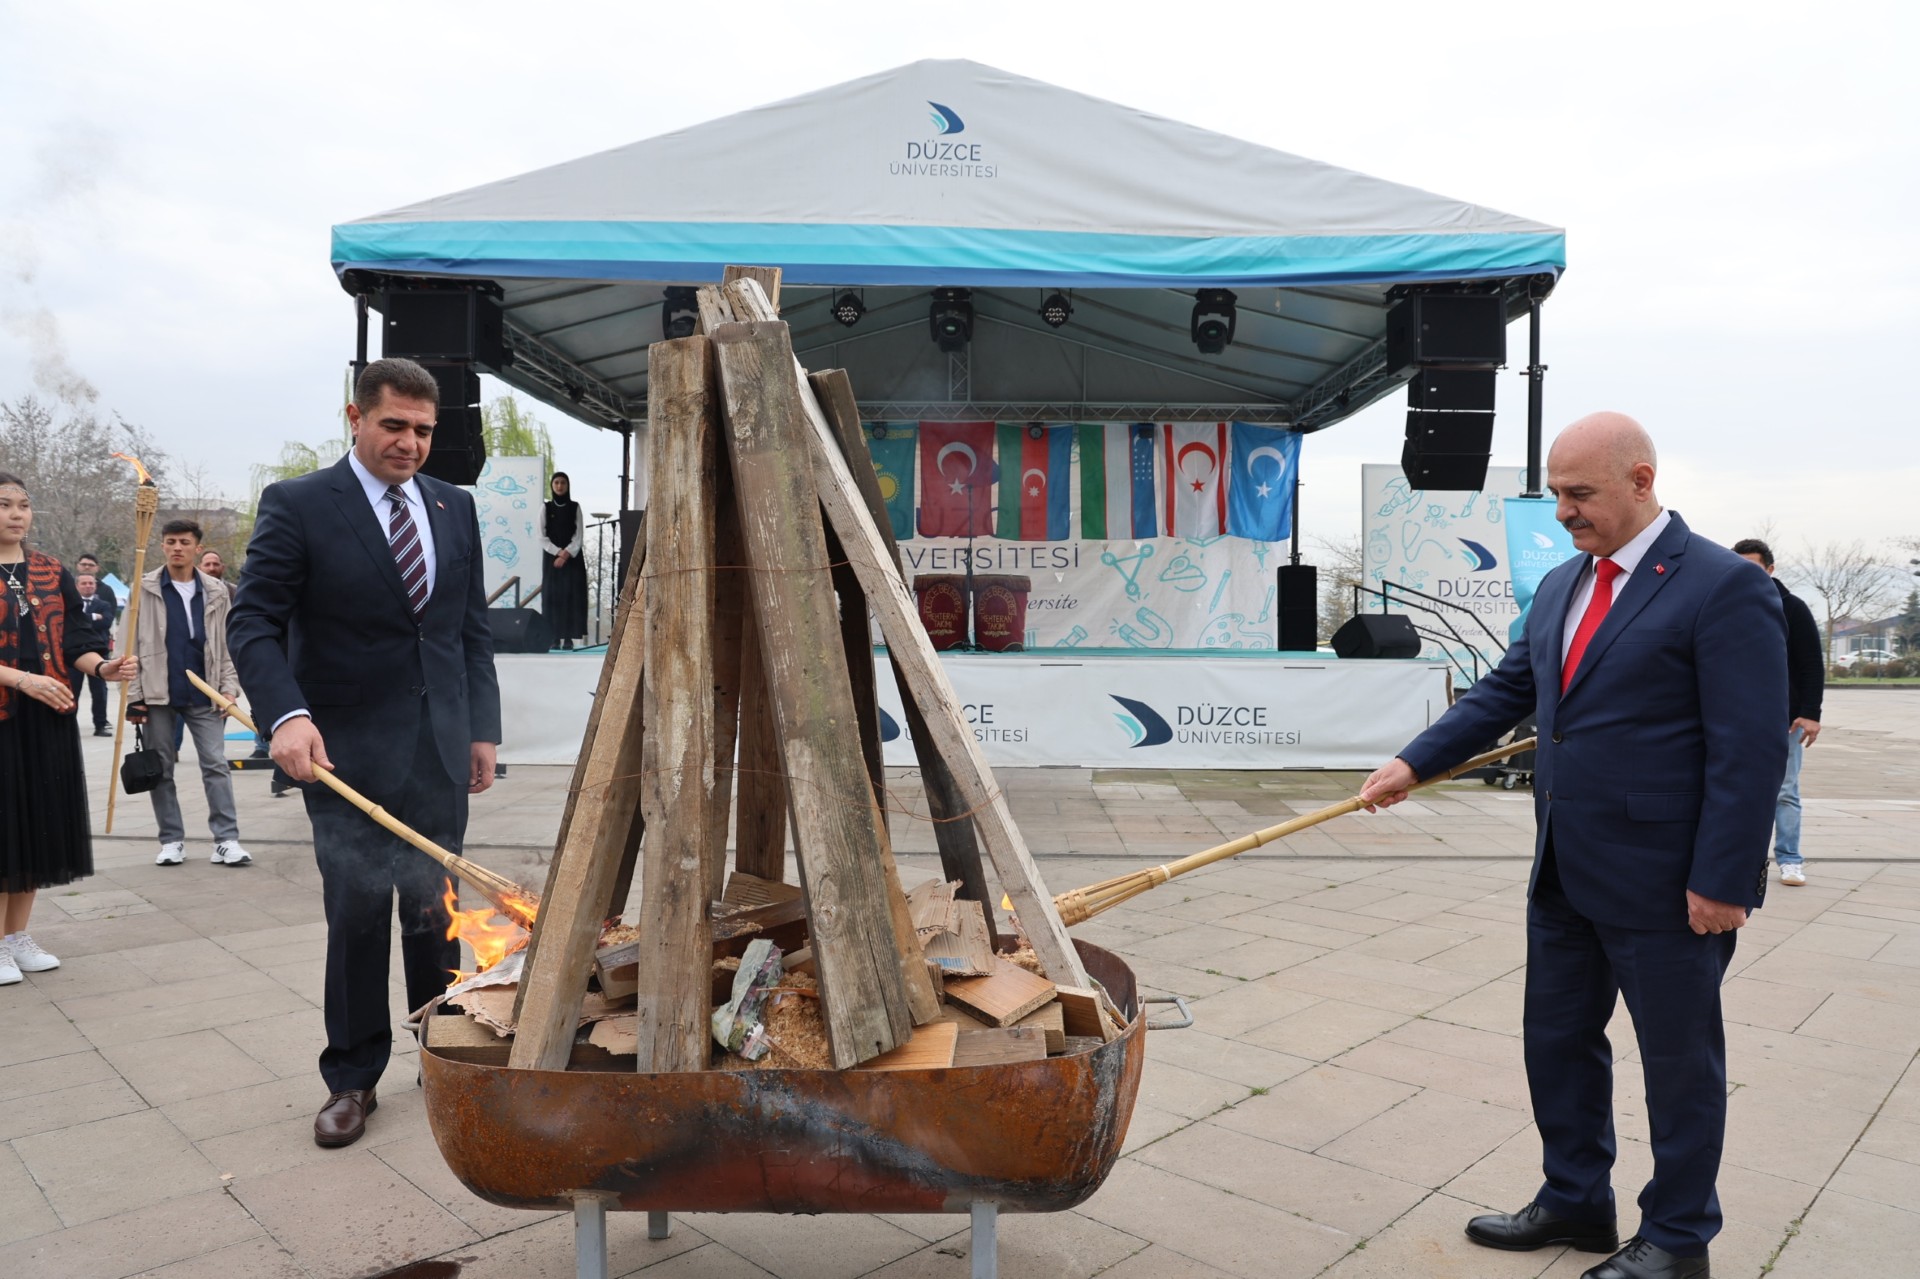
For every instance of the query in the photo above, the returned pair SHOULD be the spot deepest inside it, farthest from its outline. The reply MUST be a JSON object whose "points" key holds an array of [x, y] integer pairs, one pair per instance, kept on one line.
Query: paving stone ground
{"points": [[1351, 1091]]}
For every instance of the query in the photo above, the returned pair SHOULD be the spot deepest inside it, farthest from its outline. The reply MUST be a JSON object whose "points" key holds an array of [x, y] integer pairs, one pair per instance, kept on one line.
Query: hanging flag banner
{"points": [[1536, 543], [1196, 453], [1118, 492], [1266, 460], [891, 444], [956, 479], [1036, 483]]}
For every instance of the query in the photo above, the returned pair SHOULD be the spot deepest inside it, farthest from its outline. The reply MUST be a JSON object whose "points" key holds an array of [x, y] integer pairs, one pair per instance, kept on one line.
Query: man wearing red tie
{"points": [[1656, 667]]}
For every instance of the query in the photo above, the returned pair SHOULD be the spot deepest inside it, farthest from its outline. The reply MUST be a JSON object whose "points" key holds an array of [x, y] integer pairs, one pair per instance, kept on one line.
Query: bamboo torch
{"points": [[146, 502], [1078, 905], [510, 899]]}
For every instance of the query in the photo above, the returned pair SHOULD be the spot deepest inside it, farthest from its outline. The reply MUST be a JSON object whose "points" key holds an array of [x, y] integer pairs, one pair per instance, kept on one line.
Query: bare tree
{"points": [[1851, 581], [82, 494], [1343, 566]]}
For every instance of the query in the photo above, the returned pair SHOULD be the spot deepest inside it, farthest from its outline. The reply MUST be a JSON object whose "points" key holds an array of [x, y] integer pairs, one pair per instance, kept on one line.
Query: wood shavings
{"points": [[1027, 960], [795, 1028], [618, 935]]}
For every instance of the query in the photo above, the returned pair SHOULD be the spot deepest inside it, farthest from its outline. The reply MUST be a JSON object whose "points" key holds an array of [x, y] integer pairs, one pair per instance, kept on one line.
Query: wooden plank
{"points": [[1000, 1047], [594, 841], [629, 840], [927, 680], [747, 891], [767, 277], [863, 988], [1078, 1044], [456, 1031], [1046, 1019], [761, 816], [729, 609], [1081, 1010], [931, 1048], [856, 636], [1004, 996], [952, 828], [677, 783]]}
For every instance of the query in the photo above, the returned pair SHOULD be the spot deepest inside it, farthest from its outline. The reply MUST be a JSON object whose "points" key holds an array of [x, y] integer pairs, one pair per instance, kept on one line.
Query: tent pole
{"points": [[1293, 551], [1536, 378], [360, 336]]}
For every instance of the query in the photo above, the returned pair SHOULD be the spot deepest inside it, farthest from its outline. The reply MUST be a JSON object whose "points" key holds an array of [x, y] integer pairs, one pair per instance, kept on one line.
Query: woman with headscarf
{"points": [[563, 594], [45, 836]]}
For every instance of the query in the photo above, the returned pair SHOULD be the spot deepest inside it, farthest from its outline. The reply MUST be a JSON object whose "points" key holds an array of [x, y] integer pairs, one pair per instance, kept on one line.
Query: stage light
{"points": [[1056, 310], [1214, 318], [848, 308], [951, 319], [679, 314]]}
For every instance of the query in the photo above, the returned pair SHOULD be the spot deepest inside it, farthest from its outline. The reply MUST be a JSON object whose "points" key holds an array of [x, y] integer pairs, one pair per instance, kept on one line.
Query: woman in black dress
{"points": [[563, 594], [45, 836]]}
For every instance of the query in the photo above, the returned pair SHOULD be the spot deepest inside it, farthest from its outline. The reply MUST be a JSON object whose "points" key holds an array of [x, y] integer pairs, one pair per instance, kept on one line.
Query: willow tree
{"points": [[511, 430]]}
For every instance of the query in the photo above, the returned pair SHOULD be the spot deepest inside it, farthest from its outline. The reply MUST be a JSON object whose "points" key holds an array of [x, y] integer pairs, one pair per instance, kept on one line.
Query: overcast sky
{"points": [[1738, 183]]}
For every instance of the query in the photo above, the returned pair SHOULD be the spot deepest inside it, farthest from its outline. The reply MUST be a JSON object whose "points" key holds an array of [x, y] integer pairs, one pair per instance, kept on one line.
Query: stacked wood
{"points": [[738, 695]]}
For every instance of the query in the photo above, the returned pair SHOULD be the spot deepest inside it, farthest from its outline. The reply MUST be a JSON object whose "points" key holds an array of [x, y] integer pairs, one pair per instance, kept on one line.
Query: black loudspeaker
{"points": [[459, 382], [519, 630], [1377, 635], [632, 520], [1451, 390], [442, 324], [1459, 329], [1447, 451], [1299, 608], [459, 447]]}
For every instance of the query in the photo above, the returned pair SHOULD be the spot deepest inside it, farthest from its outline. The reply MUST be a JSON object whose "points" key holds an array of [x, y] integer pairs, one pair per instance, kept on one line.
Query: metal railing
{"points": [[1440, 611], [519, 600]]}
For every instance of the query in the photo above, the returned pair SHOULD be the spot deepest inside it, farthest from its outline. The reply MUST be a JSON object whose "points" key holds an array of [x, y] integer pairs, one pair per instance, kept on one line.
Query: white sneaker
{"points": [[9, 971], [171, 855], [27, 955], [229, 853], [1793, 874]]}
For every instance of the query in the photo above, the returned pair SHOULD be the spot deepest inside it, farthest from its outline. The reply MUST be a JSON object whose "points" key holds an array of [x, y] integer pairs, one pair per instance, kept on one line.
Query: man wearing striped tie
{"points": [[361, 637]]}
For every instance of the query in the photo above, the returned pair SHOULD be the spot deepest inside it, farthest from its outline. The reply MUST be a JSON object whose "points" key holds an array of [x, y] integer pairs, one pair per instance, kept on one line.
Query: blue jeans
{"points": [[1786, 810]]}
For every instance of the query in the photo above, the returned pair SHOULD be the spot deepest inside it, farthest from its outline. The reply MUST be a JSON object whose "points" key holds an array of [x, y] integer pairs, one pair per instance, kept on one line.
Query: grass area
{"points": [[1909, 681]]}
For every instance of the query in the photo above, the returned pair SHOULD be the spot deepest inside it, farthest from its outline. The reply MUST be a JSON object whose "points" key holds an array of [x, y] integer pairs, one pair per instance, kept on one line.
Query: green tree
{"points": [[82, 494], [511, 430]]}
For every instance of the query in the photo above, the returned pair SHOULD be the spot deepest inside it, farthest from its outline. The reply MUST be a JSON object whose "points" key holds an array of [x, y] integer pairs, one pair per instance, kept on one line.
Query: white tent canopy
{"points": [[950, 174]]}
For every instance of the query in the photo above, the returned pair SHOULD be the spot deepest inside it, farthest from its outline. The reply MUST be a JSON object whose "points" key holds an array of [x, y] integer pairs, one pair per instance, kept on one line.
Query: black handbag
{"points": [[143, 768]]}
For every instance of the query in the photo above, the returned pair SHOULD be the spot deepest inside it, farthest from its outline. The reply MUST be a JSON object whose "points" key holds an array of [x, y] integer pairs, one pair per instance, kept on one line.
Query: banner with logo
{"points": [[1034, 709], [1442, 544], [507, 499], [1536, 543]]}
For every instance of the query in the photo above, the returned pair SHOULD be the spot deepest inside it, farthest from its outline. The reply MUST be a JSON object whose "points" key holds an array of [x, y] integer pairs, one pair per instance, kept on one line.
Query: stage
{"points": [[1084, 709]]}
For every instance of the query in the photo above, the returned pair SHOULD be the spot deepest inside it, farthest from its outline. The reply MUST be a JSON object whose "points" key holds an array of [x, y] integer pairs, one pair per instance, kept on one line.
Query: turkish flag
{"points": [[956, 479]]}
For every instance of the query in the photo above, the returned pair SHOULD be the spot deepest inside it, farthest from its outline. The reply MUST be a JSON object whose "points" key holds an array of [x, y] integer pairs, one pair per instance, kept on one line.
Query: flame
{"points": [[491, 942], [146, 477]]}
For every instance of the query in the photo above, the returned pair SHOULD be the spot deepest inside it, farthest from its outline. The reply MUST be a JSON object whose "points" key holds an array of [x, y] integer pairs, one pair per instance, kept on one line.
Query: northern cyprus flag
{"points": [[1196, 458]]}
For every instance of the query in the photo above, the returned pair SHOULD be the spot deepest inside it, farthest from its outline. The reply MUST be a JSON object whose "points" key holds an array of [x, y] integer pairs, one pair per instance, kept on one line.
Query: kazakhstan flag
{"points": [[892, 446]]}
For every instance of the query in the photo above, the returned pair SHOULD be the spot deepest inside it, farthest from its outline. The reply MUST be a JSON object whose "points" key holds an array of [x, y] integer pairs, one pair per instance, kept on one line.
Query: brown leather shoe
{"points": [[344, 1117]]}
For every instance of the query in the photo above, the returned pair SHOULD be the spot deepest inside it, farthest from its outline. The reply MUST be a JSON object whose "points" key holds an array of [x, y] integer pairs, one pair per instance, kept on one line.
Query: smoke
{"points": [[60, 192]]}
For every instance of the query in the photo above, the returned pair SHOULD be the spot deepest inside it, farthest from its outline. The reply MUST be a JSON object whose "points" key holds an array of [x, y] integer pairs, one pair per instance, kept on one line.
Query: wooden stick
{"points": [[519, 904], [146, 501], [1077, 905]]}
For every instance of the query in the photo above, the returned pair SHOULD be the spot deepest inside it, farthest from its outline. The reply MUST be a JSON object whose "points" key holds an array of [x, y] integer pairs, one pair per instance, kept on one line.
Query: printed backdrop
{"points": [[1134, 535], [507, 498]]}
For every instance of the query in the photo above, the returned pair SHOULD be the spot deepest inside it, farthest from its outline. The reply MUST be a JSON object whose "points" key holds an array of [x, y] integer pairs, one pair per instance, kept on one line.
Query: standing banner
{"points": [[1536, 543], [507, 499]]}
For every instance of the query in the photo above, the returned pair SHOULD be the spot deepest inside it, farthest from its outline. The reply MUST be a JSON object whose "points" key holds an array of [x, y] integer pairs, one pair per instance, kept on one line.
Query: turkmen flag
{"points": [[1117, 489], [1036, 493], [1260, 482], [891, 444]]}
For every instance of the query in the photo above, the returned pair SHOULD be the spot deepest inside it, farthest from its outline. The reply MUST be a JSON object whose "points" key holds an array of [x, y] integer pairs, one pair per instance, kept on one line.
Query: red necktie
{"points": [[1604, 571]]}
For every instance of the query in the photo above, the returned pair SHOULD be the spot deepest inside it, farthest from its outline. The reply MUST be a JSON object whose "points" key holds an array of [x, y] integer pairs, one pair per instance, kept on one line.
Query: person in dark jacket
{"points": [[1806, 684]]}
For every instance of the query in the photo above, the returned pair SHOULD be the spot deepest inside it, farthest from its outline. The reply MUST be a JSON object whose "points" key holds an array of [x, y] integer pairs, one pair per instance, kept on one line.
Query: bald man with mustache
{"points": [[1656, 667]]}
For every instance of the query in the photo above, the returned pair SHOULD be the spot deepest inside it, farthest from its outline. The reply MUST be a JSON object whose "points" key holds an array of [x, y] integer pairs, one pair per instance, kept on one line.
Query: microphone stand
{"points": [[971, 645]]}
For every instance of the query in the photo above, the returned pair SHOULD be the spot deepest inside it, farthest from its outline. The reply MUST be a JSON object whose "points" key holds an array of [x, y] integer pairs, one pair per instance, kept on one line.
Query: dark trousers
{"points": [[97, 691], [1671, 982], [362, 866]]}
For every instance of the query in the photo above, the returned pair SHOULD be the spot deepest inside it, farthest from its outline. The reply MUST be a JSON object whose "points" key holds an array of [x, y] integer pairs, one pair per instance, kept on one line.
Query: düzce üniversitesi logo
{"points": [[941, 156]]}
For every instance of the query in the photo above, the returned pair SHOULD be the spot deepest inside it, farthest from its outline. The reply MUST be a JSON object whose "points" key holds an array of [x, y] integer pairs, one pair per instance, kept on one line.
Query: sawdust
{"points": [[1028, 960], [618, 935], [795, 1028]]}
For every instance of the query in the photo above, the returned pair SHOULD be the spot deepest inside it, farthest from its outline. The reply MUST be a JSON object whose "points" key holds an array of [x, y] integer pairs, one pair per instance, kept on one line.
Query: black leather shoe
{"points": [[1534, 1227], [1641, 1260], [344, 1118]]}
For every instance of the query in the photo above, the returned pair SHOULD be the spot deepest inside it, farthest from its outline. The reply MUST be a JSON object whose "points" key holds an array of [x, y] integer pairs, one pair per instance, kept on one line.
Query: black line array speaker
{"points": [[1299, 608], [459, 382], [442, 324], [1447, 451], [459, 446], [1451, 390], [1463, 330], [519, 630], [1377, 635]]}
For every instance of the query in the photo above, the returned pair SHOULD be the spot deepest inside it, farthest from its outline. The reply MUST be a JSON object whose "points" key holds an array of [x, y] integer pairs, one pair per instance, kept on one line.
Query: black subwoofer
{"points": [[1377, 635], [519, 630]]}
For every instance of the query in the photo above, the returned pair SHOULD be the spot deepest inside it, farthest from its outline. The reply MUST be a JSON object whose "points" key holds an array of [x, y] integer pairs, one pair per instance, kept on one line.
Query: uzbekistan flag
{"points": [[1117, 490], [1036, 488], [956, 479], [1260, 499], [1196, 455], [891, 444]]}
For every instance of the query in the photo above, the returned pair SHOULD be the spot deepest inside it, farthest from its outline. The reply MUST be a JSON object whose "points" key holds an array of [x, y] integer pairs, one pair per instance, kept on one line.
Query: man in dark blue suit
{"points": [[361, 637], [1656, 666]]}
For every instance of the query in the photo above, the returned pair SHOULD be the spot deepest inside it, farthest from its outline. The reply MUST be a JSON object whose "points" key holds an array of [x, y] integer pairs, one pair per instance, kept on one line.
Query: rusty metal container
{"points": [[1035, 1136]]}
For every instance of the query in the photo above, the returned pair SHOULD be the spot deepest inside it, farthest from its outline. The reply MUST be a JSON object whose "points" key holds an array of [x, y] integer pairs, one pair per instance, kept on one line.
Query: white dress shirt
{"points": [[1628, 558], [376, 491]]}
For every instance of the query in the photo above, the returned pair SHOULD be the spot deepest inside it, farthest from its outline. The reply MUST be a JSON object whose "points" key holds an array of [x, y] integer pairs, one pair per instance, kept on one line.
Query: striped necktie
{"points": [[408, 555]]}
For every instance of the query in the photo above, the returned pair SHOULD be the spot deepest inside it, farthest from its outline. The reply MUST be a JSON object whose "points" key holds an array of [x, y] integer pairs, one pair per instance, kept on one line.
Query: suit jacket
{"points": [[101, 612], [154, 683], [1658, 768], [322, 622]]}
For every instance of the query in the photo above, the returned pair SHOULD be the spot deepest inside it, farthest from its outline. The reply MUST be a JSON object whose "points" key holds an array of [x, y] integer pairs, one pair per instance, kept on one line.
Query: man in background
{"points": [[183, 627], [1806, 688], [216, 568], [98, 606], [90, 563]]}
